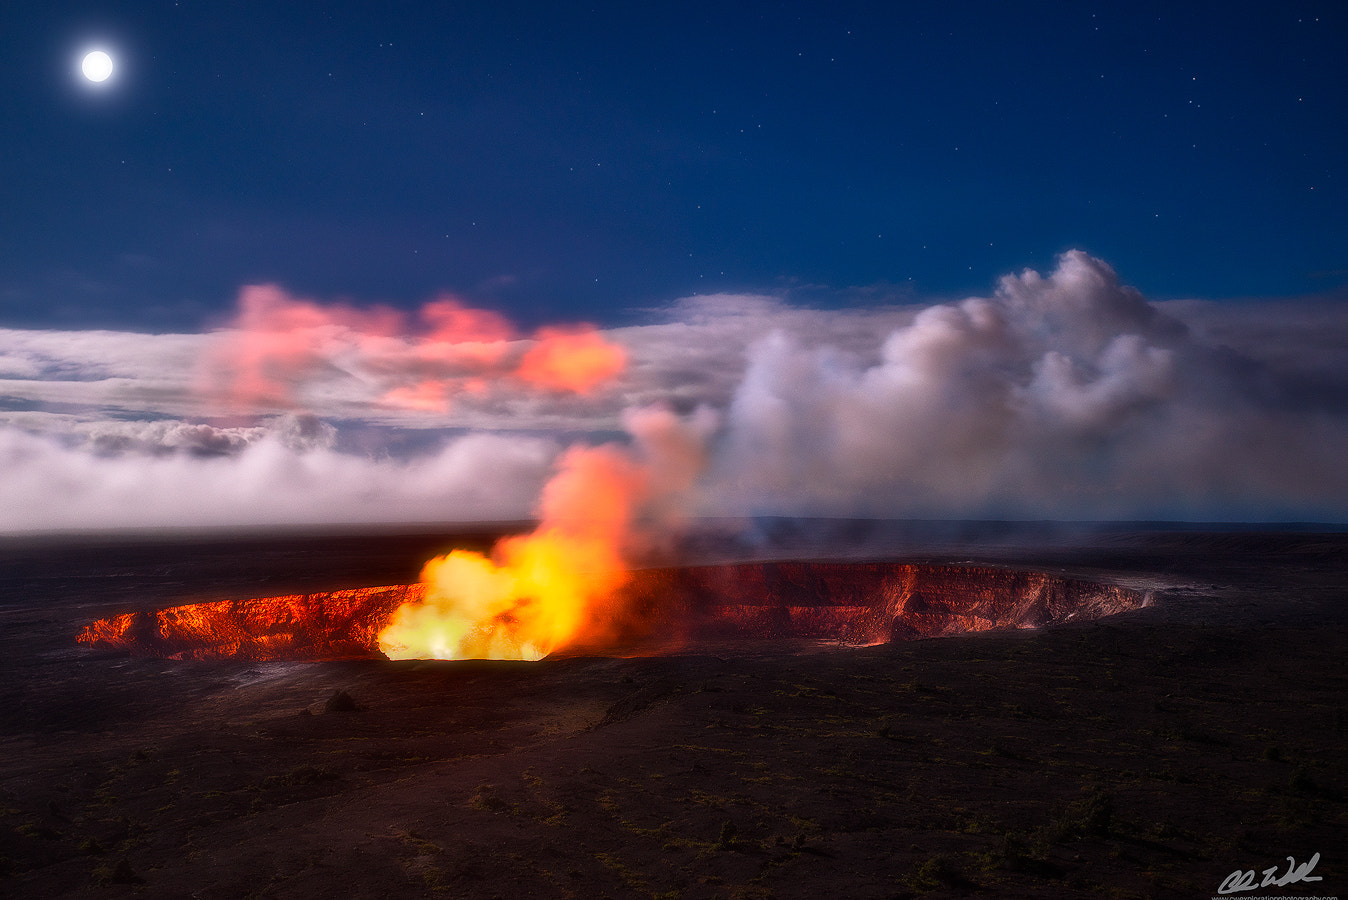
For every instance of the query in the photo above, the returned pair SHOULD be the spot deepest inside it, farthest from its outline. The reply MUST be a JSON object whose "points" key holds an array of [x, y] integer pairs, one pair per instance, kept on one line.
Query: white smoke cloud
{"points": [[1065, 395]]}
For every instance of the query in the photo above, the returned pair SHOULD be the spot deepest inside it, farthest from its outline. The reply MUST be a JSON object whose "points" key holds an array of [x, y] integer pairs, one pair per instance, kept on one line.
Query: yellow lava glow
{"points": [[540, 596], [537, 592]]}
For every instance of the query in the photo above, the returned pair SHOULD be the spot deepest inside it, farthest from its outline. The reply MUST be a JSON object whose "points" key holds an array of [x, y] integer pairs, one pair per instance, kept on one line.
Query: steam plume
{"points": [[1061, 396], [544, 590]]}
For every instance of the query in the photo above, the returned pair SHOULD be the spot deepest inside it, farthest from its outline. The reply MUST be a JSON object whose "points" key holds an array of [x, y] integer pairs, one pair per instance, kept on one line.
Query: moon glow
{"points": [[97, 66]]}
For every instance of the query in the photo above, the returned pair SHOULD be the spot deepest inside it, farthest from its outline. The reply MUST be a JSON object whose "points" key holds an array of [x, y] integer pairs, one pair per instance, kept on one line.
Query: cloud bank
{"points": [[284, 474], [1065, 395], [1061, 396]]}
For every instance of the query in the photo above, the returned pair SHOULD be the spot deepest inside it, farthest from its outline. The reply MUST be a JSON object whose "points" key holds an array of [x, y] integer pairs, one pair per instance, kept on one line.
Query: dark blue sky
{"points": [[558, 163]]}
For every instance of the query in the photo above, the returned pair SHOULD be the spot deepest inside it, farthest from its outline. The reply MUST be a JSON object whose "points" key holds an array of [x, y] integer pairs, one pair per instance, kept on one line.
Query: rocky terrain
{"points": [[1144, 754]]}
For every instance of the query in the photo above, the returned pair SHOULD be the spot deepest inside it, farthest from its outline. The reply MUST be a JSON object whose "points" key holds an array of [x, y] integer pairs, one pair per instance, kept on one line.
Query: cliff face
{"points": [[863, 603], [860, 603], [328, 625]]}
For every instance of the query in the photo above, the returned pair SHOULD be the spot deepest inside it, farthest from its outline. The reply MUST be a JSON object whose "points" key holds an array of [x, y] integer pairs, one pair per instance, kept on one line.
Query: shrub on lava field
{"points": [[340, 701], [1015, 855], [1302, 783], [1091, 816], [936, 873], [488, 799], [122, 873]]}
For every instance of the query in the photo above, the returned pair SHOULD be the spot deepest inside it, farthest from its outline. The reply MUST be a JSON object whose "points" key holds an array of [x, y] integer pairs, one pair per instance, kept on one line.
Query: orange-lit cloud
{"points": [[571, 359], [280, 352], [276, 342]]}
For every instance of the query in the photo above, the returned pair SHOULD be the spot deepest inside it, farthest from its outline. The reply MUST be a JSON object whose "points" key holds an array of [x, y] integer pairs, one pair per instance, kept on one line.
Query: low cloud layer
{"points": [[280, 475], [1065, 395]]}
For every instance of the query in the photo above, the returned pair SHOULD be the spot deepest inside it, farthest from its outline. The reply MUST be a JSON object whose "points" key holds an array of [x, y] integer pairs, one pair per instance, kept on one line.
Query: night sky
{"points": [[556, 160], [303, 263]]}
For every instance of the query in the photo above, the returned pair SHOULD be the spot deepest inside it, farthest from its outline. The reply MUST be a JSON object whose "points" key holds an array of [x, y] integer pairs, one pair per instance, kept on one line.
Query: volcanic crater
{"points": [[1138, 755], [740, 606]]}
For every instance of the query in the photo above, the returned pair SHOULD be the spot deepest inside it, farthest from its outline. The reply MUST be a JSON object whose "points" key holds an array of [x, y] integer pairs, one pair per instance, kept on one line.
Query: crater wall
{"points": [[857, 603]]}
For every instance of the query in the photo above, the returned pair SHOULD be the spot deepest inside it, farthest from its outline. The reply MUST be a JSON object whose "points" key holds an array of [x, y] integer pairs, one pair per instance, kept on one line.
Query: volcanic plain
{"points": [[1144, 754]]}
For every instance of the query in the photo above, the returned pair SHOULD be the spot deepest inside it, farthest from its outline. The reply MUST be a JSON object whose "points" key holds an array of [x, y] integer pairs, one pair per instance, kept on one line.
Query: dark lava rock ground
{"points": [[1144, 755]]}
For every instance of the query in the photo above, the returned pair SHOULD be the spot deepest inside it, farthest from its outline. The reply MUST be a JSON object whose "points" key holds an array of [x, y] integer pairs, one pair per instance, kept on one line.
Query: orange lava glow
{"points": [[327, 625]]}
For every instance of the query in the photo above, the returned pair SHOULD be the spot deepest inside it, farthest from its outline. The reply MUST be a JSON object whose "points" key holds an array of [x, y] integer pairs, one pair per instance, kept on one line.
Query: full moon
{"points": [[97, 66]]}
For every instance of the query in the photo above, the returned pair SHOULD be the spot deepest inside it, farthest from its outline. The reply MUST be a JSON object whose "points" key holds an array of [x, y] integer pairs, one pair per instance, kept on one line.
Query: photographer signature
{"points": [[1244, 880]]}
